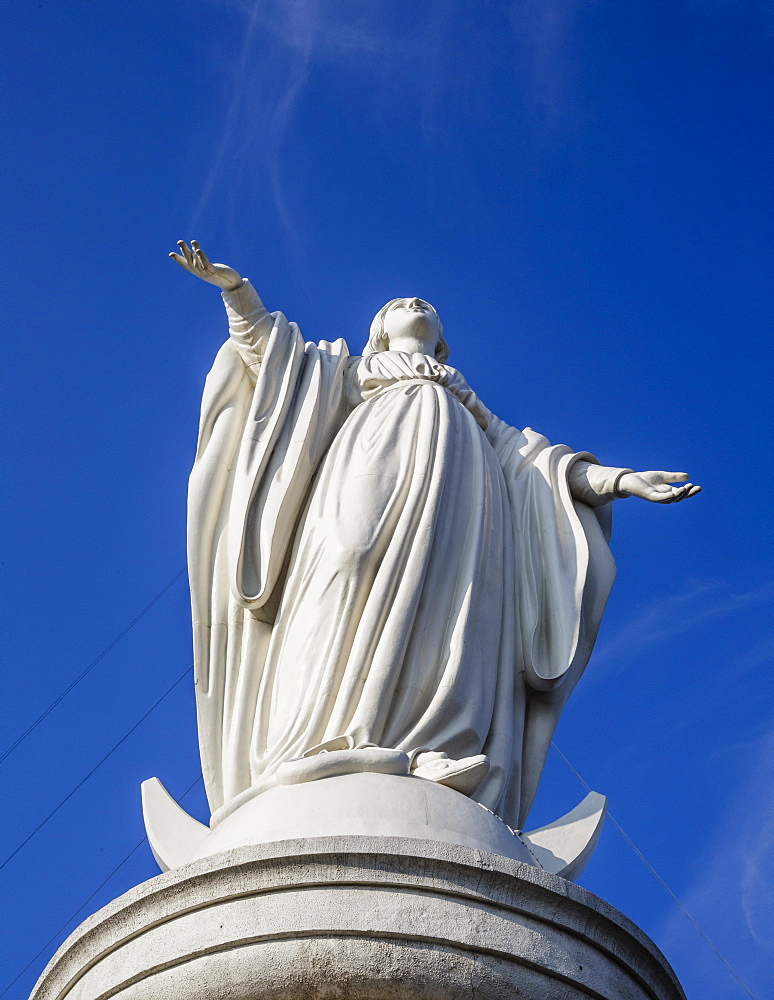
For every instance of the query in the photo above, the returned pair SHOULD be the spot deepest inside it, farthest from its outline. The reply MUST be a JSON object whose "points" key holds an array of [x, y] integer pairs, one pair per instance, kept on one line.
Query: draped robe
{"points": [[373, 553]]}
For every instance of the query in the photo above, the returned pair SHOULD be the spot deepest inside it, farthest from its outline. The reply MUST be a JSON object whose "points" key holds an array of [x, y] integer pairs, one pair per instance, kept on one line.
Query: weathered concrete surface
{"points": [[370, 918]]}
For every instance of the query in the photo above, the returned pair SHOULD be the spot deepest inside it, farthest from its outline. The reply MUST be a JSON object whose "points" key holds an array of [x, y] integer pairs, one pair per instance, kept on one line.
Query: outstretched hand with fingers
{"points": [[656, 486], [195, 260]]}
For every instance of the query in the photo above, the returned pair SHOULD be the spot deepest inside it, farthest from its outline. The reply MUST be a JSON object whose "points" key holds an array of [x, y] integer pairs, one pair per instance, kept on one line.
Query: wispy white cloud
{"points": [[281, 44], [410, 61], [730, 895], [676, 614], [264, 83], [544, 34]]}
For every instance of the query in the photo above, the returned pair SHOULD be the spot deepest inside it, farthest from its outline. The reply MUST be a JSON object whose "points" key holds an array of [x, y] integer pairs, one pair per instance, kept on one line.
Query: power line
{"points": [[34, 725], [86, 902], [661, 882], [169, 690], [96, 767]]}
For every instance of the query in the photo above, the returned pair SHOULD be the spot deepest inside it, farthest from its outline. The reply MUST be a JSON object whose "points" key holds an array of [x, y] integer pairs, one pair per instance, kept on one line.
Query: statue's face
{"points": [[412, 325]]}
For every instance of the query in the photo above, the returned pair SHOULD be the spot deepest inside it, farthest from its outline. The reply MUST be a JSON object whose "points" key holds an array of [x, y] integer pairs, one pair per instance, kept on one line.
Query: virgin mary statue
{"points": [[376, 558]]}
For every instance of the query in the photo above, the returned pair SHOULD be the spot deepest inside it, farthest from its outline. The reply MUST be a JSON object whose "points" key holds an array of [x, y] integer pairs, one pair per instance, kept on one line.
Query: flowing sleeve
{"points": [[272, 404], [595, 485], [249, 325], [563, 570], [297, 408]]}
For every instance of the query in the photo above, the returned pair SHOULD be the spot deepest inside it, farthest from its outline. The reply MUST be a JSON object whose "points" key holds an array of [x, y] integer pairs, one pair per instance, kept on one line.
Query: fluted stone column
{"points": [[357, 918]]}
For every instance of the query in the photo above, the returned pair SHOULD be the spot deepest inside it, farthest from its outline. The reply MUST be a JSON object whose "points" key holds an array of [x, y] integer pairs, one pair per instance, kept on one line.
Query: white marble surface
{"points": [[376, 556]]}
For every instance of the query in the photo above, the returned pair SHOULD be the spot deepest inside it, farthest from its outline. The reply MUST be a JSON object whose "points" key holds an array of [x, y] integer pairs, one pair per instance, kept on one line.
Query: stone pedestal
{"points": [[357, 918]]}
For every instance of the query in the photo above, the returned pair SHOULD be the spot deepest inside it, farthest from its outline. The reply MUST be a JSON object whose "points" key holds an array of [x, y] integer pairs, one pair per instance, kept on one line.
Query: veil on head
{"points": [[377, 339]]}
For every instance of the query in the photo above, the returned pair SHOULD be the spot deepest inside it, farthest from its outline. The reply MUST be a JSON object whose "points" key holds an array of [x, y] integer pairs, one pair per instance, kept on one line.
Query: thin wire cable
{"points": [[662, 883], [34, 725], [86, 902], [96, 767]]}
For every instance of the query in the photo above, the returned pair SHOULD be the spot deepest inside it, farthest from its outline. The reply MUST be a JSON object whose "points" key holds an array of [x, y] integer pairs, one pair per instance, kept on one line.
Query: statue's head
{"points": [[410, 325]]}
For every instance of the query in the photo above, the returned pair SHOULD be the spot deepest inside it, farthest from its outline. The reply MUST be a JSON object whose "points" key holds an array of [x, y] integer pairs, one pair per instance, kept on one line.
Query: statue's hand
{"points": [[195, 260], [655, 486]]}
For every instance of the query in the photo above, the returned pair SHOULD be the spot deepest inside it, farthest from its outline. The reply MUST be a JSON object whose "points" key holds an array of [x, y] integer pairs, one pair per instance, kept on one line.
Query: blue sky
{"points": [[583, 190]]}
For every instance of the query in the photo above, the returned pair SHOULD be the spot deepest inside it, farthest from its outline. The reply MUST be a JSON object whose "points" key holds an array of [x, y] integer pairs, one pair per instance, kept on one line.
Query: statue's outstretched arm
{"points": [[598, 484]]}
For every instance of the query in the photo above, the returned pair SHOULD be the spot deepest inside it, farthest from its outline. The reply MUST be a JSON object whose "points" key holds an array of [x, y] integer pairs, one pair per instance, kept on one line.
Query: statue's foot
{"points": [[463, 775]]}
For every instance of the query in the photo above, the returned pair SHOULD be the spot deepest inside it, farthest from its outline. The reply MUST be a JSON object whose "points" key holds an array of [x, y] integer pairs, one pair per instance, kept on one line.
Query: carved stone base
{"points": [[357, 918]]}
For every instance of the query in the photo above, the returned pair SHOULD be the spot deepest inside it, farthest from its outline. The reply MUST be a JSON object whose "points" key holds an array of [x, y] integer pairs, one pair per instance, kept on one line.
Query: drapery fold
{"points": [[564, 572], [260, 440]]}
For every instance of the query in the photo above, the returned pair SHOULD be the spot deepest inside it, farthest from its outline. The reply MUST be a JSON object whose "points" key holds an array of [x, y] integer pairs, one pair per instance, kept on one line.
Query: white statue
{"points": [[376, 560]]}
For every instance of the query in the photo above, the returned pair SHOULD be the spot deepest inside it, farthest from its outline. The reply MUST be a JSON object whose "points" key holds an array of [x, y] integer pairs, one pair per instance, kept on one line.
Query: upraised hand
{"points": [[195, 260], [655, 486]]}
